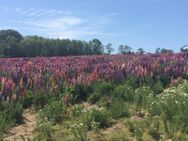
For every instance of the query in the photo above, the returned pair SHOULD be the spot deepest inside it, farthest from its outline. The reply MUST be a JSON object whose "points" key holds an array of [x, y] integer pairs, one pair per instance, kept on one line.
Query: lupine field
{"points": [[17, 75], [95, 98]]}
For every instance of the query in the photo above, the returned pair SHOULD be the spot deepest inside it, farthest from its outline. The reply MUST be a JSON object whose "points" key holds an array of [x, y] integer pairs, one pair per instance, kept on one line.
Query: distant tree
{"points": [[124, 49], [13, 44], [9, 43], [184, 48], [166, 51], [109, 48], [141, 51], [96, 46], [158, 50], [6, 35]]}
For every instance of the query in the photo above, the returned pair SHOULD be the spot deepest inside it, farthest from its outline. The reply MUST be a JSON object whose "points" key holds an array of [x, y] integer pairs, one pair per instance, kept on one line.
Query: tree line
{"points": [[13, 44]]}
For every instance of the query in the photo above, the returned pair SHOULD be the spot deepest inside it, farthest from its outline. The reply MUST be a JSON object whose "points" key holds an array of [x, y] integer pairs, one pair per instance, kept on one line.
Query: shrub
{"points": [[154, 128], [80, 93], [10, 114], [40, 99], [100, 117], [79, 132], [95, 119], [86, 119], [124, 92], [27, 101], [119, 109], [104, 88], [77, 110], [53, 112], [141, 96], [13, 111], [94, 97], [132, 81], [44, 130], [136, 129], [4, 124], [158, 88]]}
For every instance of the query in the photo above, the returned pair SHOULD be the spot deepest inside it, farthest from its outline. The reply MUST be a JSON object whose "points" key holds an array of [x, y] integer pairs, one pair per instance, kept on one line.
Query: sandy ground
{"points": [[24, 130]]}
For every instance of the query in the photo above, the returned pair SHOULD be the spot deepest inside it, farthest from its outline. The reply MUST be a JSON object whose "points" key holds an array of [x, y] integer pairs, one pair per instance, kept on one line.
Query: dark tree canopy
{"points": [[10, 34], [13, 44], [125, 49]]}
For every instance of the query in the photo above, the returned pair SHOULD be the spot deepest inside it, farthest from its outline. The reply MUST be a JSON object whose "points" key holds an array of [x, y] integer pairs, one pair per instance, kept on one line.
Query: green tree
{"points": [[109, 48], [96, 46], [124, 49], [141, 51]]}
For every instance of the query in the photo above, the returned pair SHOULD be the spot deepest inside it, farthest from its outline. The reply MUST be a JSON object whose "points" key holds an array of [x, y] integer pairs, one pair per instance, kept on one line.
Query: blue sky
{"points": [[144, 24]]}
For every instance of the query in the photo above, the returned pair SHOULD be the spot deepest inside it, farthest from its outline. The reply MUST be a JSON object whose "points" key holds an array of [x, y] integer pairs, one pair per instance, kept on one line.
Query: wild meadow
{"points": [[97, 98]]}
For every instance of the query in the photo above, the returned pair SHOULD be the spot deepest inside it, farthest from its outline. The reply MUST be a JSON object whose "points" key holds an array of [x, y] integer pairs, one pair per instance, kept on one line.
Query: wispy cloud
{"points": [[55, 23]]}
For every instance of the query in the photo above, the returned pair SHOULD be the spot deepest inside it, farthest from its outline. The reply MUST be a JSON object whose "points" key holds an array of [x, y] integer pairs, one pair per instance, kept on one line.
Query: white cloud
{"points": [[55, 23]]}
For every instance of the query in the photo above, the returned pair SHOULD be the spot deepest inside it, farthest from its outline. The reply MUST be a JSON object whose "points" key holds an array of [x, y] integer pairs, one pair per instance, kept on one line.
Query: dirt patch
{"points": [[24, 130], [113, 129]]}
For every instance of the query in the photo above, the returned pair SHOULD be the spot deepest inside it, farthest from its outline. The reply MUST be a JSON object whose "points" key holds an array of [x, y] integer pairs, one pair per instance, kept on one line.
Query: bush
{"points": [[136, 129], [80, 93], [10, 114], [77, 110], [154, 128], [44, 130], [86, 119], [141, 96], [13, 111], [95, 119], [104, 88], [40, 99], [101, 117], [79, 132], [53, 112], [27, 101], [119, 109], [124, 92], [4, 124], [93, 98], [158, 88], [100, 90]]}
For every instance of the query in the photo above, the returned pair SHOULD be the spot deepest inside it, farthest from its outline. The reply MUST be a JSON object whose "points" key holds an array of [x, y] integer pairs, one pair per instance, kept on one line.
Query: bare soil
{"points": [[24, 130]]}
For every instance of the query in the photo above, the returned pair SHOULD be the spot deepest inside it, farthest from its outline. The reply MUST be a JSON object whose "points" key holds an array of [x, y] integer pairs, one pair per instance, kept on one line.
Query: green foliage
{"points": [[27, 101], [41, 99], [132, 81], [12, 111], [12, 44], [79, 132], [101, 117], [119, 109], [77, 110], [100, 90], [94, 97], [119, 136], [142, 96], [79, 93], [124, 92], [136, 129], [86, 119], [105, 88], [10, 114], [44, 130], [95, 119], [54, 112], [154, 128], [158, 88], [4, 124]]}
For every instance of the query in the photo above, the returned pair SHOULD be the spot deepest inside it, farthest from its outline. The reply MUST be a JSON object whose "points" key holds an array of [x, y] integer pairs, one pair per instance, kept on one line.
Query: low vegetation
{"points": [[120, 112]]}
